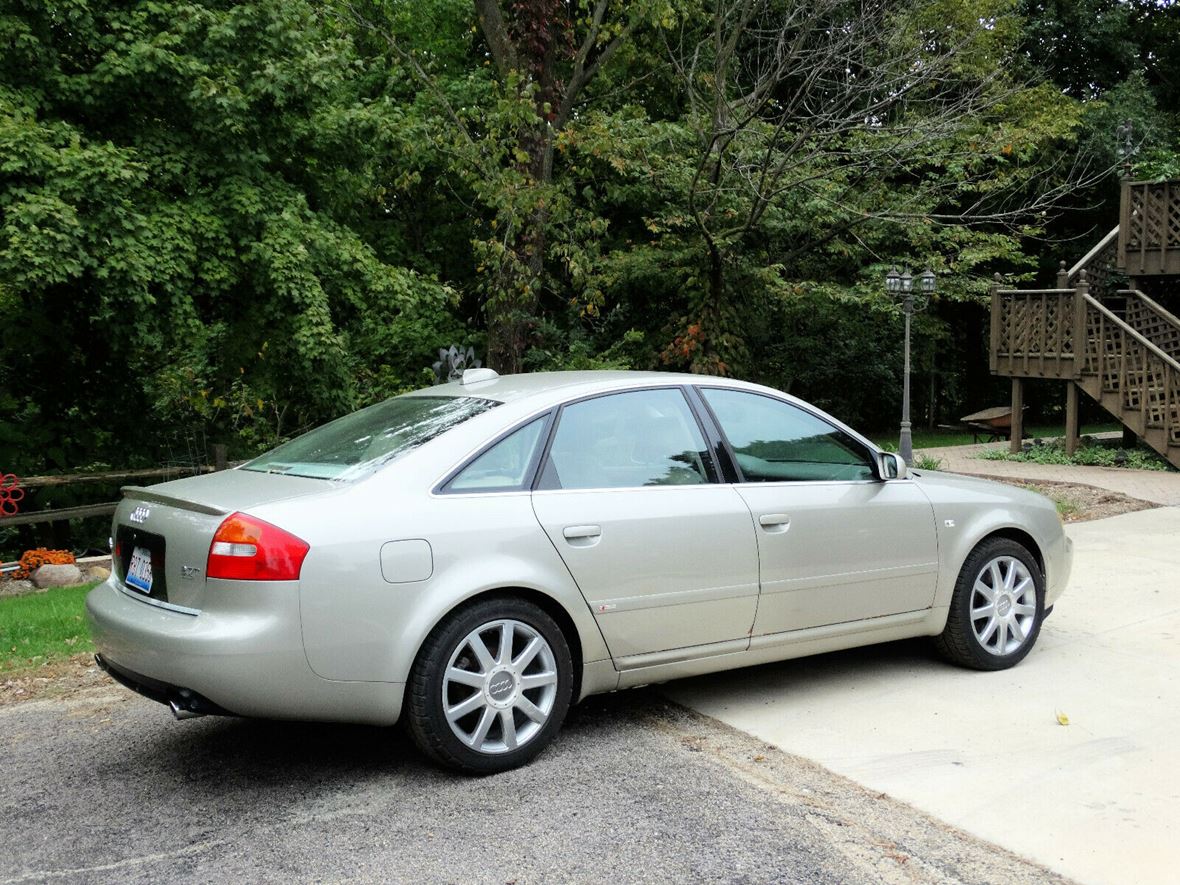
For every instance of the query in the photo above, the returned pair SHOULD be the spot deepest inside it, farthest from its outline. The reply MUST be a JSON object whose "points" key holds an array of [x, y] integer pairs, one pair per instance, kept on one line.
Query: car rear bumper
{"points": [[243, 654], [182, 700]]}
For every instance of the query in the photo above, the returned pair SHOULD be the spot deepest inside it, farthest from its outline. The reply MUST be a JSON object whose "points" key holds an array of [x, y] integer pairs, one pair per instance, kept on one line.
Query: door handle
{"points": [[774, 522], [581, 532]]}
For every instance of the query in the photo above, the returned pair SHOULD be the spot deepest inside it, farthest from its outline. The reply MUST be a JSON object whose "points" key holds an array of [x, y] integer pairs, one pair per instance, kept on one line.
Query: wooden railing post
{"points": [[1124, 224], [1071, 417], [1062, 276], [1016, 441], [1080, 344], [994, 344]]}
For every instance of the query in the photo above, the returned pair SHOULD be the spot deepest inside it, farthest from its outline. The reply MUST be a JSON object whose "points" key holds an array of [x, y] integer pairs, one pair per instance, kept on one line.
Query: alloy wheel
{"points": [[1003, 605], [499, 686]]}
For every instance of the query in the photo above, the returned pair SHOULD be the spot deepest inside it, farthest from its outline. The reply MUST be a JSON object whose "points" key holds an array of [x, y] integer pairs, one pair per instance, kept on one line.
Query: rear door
{"points": [[664, 555], [835, 543]]}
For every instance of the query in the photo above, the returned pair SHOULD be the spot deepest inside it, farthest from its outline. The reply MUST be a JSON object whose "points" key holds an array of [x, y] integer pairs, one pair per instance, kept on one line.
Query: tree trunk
{"points": [[536, 38], [512, 312]]}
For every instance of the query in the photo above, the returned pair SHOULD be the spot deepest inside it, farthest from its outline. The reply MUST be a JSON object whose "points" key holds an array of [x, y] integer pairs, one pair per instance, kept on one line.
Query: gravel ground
{"points": [[1082, 503], [101, 786]]}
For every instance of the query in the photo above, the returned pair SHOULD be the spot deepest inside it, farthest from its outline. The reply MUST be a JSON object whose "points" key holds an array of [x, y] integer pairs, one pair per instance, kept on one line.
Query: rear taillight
{"points": [[247, 549]]}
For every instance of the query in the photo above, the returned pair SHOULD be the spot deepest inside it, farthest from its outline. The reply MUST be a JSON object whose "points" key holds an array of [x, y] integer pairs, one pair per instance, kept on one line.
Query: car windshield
{"points": [[355, 445]]}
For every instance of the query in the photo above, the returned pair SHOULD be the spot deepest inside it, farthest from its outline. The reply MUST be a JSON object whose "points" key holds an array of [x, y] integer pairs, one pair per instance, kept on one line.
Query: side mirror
{"points": [[891, 465]]}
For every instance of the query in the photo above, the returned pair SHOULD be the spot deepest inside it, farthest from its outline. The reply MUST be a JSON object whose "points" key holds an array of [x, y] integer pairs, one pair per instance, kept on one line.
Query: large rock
{"points": [[97, 573], [57, 576]]}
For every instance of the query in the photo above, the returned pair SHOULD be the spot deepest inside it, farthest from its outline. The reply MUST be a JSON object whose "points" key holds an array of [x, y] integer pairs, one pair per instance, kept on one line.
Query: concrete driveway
{"points": [[1097, 799]]}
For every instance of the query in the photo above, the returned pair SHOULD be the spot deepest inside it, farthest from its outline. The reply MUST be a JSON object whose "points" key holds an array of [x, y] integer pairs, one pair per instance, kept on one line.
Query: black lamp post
{"points": [[902, 285]]}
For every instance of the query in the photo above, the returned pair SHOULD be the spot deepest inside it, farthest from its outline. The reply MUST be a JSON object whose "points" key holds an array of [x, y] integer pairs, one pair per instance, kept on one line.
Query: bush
{"points": [[31, 560], [1095, 455]]}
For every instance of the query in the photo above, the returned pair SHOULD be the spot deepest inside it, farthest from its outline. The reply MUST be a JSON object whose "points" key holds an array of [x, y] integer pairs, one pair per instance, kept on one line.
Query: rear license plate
{"points": [[139, 573]]}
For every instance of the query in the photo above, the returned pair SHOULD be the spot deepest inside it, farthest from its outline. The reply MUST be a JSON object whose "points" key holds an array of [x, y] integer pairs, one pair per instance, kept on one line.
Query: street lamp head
{"points": [[927, 282], [907, 282], [893, 281]]}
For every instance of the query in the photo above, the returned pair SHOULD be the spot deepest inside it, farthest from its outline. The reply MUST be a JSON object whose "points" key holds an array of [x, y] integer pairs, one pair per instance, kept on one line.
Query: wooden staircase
{"points": [[1098, 331]]}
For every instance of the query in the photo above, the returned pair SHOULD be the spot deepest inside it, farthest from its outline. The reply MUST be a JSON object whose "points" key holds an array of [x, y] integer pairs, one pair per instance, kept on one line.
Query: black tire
{"points": [[425, 714], [959, 641]]}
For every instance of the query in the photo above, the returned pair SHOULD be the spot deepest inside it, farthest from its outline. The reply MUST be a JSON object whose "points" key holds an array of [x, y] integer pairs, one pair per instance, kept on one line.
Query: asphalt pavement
{"points": [[106, 787]]}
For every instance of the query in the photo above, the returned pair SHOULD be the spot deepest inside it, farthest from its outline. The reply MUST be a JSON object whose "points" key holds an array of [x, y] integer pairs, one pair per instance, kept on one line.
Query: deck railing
{"points": [[1130, 363], [1145, 379], [1149, 228], [1154, 322], [1034, 332], [1101, 267]]}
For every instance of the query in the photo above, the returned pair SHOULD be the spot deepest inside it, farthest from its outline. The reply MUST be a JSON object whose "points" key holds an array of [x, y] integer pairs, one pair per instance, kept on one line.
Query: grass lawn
{"points": [[43, 627], [924, 439]]}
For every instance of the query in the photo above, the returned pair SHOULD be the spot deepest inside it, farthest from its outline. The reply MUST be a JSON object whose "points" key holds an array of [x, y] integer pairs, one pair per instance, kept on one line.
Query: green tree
{"points": [[190, 231], [502, 121]]}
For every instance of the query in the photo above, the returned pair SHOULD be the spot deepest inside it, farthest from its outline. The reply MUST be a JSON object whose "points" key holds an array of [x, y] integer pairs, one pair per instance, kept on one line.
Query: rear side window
{"points": [[506, 466], [357, 444], [778, 442], [627, 440]]}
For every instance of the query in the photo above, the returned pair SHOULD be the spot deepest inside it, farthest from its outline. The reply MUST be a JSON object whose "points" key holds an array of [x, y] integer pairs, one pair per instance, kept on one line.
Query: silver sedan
{"points": [[474, 557]]}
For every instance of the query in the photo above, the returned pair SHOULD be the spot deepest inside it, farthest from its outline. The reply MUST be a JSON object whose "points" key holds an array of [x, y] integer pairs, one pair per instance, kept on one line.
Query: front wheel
{"points": [[997, 607], [491, 686]]}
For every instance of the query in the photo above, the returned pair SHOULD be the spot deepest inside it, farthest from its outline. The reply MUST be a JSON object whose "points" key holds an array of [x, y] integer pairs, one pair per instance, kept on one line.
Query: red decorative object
{"points": [[10, 494]]}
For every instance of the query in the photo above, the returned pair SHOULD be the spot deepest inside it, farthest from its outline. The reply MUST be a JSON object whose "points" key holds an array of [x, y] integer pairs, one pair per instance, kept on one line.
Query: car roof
{"points": [[568, 385], [538, 391]]}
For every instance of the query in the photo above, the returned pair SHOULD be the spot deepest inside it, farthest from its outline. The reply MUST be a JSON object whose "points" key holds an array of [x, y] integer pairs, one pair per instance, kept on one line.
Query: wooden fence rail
{"points": [[69, 479], [33, 517]]}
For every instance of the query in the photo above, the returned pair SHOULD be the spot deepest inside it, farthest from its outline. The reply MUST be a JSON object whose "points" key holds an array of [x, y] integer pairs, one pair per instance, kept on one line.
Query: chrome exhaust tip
{"points": [[180, 712]]}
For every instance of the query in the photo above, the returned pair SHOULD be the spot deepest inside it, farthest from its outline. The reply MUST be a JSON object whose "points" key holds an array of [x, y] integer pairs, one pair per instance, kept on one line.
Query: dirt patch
{"points": [[1080, 503], [61, 679]]}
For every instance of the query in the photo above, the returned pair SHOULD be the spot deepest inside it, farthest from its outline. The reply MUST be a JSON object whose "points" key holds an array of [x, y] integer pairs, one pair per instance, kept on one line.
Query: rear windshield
{"points": [[357, 444]]}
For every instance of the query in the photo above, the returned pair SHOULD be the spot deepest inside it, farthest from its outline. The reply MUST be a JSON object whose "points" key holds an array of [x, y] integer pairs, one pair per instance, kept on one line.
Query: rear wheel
{"points": [[997, 607], [491, 686]]}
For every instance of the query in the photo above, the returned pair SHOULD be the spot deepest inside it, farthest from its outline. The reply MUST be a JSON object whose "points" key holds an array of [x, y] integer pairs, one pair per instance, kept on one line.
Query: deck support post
{"points": [[1071, 418], [1017, 440]]}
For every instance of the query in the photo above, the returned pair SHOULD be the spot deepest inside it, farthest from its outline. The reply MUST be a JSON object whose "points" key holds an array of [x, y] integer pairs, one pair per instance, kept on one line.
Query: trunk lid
{"points": [[171, 526]]}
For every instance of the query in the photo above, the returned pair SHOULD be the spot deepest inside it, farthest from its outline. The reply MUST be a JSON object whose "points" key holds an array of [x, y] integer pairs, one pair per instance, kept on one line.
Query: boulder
{"points": [[57, 576], [97, 573], [16, 588]]}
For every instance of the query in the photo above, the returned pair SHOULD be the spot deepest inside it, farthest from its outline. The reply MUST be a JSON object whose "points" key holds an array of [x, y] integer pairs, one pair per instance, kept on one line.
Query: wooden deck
{"points": [[1121, 348]]}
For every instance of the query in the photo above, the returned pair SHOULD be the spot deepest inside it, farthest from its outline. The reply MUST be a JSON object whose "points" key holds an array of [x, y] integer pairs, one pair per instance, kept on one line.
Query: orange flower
{"points": [[31, 560]]}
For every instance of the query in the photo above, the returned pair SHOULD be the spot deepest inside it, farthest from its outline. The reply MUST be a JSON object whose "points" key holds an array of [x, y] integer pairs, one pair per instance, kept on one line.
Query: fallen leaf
{"points": [[1062, 719]]}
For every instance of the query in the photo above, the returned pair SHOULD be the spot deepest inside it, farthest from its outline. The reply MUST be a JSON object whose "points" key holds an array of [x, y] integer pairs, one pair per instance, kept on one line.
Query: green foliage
{"points": [[1091, 455], [226, 222], [188, 236], [926, 462]]}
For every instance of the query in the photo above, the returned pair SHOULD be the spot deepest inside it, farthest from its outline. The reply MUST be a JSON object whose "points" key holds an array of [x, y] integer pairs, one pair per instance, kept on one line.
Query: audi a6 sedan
{"points": [[474, 557]]}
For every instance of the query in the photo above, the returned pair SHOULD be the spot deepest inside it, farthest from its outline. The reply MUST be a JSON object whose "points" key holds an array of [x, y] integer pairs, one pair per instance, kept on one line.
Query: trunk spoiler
{"points": [[144, 494]]}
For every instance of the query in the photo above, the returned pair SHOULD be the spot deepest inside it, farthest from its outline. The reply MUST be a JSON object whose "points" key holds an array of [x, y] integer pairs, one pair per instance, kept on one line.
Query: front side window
{"points": [[503, 467], [627, 440], [357, 444], [775, 441]]}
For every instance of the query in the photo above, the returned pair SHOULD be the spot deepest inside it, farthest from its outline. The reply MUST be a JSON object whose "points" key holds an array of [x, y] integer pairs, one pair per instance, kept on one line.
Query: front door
{"points": [[665, 557], [835, 543]]}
